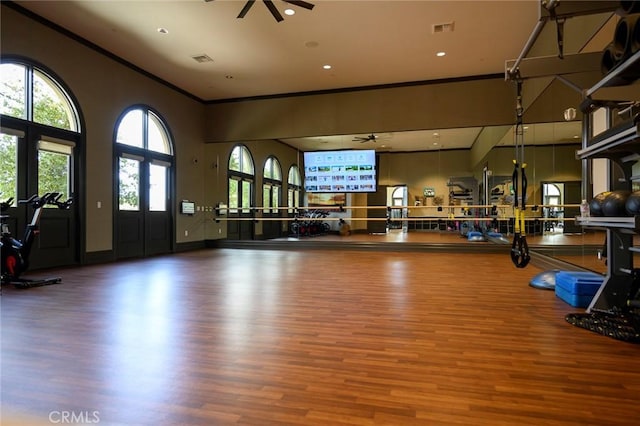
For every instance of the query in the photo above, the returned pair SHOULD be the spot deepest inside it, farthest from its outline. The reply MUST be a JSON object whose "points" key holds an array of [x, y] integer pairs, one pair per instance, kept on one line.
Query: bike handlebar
{"points": [[51, 198]]}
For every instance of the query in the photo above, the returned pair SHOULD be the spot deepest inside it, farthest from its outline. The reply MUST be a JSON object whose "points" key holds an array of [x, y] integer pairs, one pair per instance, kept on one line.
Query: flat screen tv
{"points": [[340, 171]]}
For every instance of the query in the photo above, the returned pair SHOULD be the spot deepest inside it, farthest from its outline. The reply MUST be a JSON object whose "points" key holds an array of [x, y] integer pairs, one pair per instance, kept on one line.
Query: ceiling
{"points": [[366, 42]]}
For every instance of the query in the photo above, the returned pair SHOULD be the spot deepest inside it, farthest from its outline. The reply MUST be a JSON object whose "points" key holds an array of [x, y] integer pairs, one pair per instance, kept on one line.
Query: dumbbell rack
{"points": [[620, 144]]}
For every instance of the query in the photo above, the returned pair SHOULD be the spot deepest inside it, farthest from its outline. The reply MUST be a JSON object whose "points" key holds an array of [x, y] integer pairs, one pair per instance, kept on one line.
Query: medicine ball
{"points": [[633, 203], [595, 205], [615, 203]]}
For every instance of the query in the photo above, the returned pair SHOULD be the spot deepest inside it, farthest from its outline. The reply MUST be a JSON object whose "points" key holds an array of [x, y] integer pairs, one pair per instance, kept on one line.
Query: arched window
{"points": [[31, 94], [271, 185], [40, 145], [241, 177], [241, 161], [144, 166], [294, 184]]}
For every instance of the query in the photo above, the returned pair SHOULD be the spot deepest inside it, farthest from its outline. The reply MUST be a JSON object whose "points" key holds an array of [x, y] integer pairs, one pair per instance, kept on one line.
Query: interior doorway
{"points": [[397, 198], [553, 210]]}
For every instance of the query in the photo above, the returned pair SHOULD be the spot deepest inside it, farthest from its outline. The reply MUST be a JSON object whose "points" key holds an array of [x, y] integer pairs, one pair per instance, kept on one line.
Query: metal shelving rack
{"points": [[620, 144]]}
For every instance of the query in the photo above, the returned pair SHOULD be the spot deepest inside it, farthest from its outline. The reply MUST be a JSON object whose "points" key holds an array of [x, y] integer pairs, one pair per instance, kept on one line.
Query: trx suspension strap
{"points": [[519, 248]]}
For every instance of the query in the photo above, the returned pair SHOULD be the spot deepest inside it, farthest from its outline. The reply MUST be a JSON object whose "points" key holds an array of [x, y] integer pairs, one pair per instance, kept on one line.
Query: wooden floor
{"points": [[309, 337]]}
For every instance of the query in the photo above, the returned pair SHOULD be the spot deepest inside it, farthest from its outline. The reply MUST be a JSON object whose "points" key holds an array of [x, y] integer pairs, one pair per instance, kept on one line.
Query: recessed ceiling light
{"points": [[326, 67], [576, 137], [228, 77], [289, 12], [163, 30], [440, 54]]}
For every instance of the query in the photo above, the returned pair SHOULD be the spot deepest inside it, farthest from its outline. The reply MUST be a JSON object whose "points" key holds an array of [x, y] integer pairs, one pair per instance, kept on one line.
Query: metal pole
{"points": [[542, 20]]}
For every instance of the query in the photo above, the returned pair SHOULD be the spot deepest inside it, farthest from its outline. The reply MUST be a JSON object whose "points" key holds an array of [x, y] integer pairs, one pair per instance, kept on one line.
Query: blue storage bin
{"points": [[577, 288]]}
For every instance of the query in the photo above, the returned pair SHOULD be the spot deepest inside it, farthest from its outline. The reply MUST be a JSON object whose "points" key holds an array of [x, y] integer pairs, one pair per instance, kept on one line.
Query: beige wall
{"points": [[431, 106]]}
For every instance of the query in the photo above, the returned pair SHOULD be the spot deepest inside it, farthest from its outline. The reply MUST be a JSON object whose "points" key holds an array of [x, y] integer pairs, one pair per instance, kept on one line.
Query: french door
{"points": [[240, 196], [36, 160], [144, 220]]}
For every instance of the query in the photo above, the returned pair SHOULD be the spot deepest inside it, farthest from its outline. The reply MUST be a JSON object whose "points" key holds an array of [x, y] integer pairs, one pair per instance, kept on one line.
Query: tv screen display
{"points": [[340, 171]]}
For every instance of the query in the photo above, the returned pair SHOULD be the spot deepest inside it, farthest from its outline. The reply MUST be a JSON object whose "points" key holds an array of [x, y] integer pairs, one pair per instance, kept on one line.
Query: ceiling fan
{"points": [[363, 139], [272, 8]]}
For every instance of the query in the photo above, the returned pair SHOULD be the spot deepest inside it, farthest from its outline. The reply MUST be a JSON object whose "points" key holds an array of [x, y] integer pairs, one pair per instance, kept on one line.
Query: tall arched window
{"points": [[241, 174], [40, 145], [294, 184], [144, 167], [271, 185]]}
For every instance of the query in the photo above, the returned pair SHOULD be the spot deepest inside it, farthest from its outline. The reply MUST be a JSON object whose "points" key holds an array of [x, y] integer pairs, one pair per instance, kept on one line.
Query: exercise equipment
{"points": [[633, 203], [545, 280], [595, 205], [614, 204], [310, 223], [519, 248], [15, 253], [475, 236]]}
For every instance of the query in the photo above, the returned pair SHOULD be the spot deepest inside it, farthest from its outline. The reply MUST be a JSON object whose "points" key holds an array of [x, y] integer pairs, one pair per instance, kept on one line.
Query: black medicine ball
{"points": [[633, 203], [595, 205], [615, 203]]}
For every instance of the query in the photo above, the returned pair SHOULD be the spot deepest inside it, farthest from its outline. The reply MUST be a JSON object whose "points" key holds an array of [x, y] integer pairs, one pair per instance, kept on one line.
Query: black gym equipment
{"points": [[633, 204], [595, 205], [519, 248], [623, 326], [309, 223], [15, 253], [614, 204]]}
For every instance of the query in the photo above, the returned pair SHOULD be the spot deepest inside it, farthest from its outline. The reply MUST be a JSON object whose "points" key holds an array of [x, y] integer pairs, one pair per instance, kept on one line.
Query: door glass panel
{"points": [[274, 199], [157, 188], [233, 195], [9, 167], [130, 130], [290, 200], [129, 178], [246, 196], [13, 86], [54, 168], [266, 193]]}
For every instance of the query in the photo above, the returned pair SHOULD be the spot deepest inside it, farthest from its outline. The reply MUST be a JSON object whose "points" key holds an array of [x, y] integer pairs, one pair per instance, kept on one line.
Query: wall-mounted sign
{"points": [[429, 191]]}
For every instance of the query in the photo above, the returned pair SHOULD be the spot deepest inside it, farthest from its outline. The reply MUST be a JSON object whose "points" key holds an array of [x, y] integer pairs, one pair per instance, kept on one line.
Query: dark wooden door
{"points": [[378, 198]]}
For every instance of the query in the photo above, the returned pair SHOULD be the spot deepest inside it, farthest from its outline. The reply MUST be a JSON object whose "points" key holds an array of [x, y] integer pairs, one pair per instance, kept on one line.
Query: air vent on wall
{"points": [[447, 27], [202, 58]]}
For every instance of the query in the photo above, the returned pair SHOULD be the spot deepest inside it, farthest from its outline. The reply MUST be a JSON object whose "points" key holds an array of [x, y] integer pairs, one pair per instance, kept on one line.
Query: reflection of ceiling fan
{"points": [[363, 139], [272, 8]]}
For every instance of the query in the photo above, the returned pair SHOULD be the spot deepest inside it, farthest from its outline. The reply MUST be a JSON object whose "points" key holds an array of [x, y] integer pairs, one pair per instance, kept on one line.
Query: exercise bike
{"points": [[15, 253]]}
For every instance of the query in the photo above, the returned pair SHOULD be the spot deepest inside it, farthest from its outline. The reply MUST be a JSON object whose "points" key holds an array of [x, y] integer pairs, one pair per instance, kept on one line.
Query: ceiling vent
{"points": [[447, 27], [202, 58]]}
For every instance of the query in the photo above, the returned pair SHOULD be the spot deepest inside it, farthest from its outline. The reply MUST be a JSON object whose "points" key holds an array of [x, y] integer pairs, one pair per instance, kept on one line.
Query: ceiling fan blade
{"points": [[300, 3], [273, 10], [246, 8]]}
